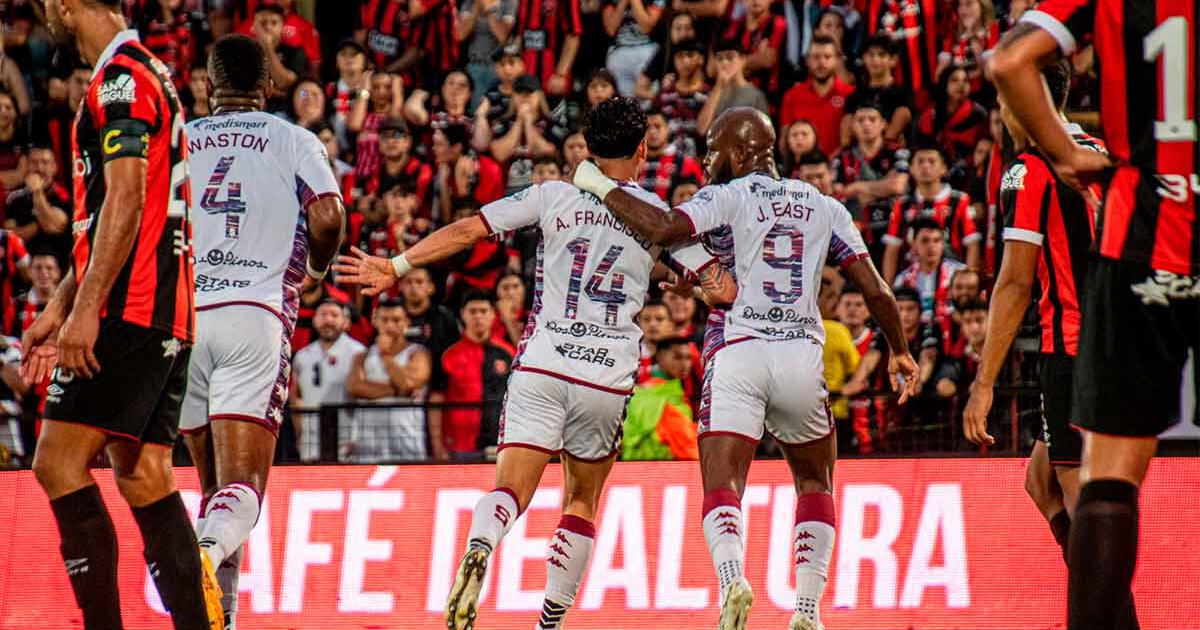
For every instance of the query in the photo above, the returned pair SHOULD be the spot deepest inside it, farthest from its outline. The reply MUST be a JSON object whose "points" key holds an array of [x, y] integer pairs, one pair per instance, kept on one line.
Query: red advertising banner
{"points": [[926, 544]]}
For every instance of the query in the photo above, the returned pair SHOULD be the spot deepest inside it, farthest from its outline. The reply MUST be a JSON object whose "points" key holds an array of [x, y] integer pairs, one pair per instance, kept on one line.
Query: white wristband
{"points": [[313, 273], [401, 266], [588, 177]]}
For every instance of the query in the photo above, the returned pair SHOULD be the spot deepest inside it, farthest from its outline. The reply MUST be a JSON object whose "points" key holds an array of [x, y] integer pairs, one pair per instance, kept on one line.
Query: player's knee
{"points": [[808, 485], [54, 473], [149, 480], [1037, 487]]}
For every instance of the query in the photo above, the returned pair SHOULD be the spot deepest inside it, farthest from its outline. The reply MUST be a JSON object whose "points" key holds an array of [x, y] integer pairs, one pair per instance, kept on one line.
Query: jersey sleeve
{"points": [[126, 112], [709, 209], [1028, 180], [314, 176], [1069, 22], [968, 232], [845, 244], [518, 210], [687, 259], [895, 225]]}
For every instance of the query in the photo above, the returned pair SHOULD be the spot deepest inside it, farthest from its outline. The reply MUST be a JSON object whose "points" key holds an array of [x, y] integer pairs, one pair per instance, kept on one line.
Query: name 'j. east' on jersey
{"points": [[592, 276], [1149, 107], [252, 176], [131, 110], [782, 231]]}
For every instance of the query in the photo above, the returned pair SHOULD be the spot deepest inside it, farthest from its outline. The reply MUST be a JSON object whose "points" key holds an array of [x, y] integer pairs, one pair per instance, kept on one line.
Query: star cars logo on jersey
{"points": [[208, 284], [580, 329], [1164, 286], [788, 334], [778, 314], [576, 352], [1014, 178], [217, 257], [118, 90]]}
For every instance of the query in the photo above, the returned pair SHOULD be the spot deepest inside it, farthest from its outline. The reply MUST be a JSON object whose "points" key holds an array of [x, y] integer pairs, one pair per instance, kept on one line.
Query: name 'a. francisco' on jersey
{"points": [[591, 279], [253, 174], [782, 231]]}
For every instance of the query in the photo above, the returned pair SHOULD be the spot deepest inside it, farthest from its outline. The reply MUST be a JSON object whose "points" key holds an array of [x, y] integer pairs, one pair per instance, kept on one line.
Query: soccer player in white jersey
{"points": [[575, 366], [767, 374], [268, 217]]}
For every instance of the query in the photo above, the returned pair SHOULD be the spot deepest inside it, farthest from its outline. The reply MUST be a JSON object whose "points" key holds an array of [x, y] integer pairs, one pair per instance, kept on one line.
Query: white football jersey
{"points": [[252, 176], [782, 230], [592, 275]]}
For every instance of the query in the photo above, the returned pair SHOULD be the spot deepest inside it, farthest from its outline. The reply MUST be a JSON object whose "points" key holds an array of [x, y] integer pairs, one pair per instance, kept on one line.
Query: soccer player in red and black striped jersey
{"points": [[118, 331], [1048, 236], [1141, 314]]}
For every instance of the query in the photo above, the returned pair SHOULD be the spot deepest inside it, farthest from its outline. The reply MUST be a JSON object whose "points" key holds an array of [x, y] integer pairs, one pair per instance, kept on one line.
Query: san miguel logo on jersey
{"points": [[1014, 178], [118, 90]]}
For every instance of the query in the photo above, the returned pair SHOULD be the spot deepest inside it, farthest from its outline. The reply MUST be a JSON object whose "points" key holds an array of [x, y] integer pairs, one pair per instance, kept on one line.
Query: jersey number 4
{"points": [[612, 298], [233, 191]]}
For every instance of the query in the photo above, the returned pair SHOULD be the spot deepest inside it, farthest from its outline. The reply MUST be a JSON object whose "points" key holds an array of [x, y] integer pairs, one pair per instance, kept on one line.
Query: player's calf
{"points": [[722, 523], [567, 558], [812, 550]]}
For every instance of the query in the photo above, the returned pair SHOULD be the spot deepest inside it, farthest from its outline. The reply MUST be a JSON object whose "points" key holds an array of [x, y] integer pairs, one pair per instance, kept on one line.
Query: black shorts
{"points": [[1063, 442], [1138, 325], [138, 391]]}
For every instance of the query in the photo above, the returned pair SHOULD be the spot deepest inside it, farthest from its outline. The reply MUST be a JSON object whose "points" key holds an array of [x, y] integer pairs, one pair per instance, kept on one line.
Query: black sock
{"points": [[89, 551], [1060, 526], [169, 545], [1103, 554]]}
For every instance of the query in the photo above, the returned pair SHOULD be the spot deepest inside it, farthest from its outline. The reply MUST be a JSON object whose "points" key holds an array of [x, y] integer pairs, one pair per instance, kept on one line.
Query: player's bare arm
{"points": [[1010, 299], [125, 180], [643, 217], [40, 341], [326, 227], [1016, 69], [376, 274], [882, 305], [717, 287]]}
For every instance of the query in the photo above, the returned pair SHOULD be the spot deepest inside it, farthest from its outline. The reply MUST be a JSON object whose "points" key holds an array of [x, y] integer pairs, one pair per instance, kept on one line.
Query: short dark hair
{"points": [[851, 289], [925, 224], [614, 129], [456, 133], [813, 158], [547, 159], [882, 42], [973, 304], [476, 295], [683, 181], [269, 7], [1058, 79], [657, 111], [342, 306], [662, 345], [726, 45], [822, 39], [653, 303], [928, 145], [392, 303], [239, 63], [906, 294]]}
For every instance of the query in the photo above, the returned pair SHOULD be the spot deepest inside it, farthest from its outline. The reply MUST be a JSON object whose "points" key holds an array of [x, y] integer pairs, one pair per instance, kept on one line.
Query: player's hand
{"points": [[976, 413], [904, 365], [372, 273], [1082, 167], [40, 343], [678, 285], [76, 339]]}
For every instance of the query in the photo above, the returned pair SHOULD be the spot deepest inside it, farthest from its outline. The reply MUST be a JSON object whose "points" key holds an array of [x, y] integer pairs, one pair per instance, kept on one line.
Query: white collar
{"points": [[1073, 129], [941, 194], [127, 35]]}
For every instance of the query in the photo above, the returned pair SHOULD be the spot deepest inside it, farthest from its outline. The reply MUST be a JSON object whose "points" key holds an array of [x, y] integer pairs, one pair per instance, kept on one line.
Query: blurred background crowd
{"points": [[431, 108]]}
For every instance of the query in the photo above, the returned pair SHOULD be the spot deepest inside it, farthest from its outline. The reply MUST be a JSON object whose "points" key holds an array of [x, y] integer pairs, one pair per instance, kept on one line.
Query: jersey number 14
{"points": [[612, 298]]}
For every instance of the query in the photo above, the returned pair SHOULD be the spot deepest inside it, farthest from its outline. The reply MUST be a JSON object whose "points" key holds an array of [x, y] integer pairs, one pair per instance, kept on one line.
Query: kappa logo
{"points": [[119, 90], [563, 538], [1014, 177], [559, 550], [804, 535], [220, 506], [556, 562]]}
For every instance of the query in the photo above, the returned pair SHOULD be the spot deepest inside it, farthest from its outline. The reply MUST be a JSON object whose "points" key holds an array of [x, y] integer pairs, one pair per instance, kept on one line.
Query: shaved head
{"points": [[741, 140]]}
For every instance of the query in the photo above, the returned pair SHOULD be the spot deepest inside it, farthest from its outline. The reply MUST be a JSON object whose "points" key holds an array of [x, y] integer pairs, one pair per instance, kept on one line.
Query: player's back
{"points": [[592, 276], [1148, 110], [252, 175], [782, 231]]}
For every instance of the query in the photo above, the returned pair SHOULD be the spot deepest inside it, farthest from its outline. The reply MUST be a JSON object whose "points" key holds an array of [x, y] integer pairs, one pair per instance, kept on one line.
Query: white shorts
{"points": [[777, 385], [239, 368], [550, 414]]}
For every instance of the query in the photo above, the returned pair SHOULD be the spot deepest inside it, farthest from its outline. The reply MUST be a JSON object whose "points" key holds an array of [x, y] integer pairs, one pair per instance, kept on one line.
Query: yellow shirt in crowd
{"points": [[841, 359]]}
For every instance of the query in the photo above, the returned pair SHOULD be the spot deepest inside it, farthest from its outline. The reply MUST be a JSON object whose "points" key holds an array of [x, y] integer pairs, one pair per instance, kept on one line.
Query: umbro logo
{"points": [[76, 566], [171, 348]]}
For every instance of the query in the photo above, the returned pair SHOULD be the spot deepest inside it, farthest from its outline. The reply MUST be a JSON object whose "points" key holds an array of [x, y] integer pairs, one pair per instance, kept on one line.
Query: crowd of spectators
{"points": [[431, 108]]}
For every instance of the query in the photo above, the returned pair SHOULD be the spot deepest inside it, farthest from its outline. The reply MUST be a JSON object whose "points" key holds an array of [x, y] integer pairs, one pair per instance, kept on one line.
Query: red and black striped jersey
{"points": [[950, 209], [13, 258], [1148, 107], [131, 110], [771, 30], [541, 28], [435, 36], [1041, 209], [912, 25], [659, 175], [386, 26]]}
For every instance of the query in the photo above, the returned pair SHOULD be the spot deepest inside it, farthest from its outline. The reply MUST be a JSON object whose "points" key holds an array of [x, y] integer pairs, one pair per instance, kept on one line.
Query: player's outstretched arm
{"points": [[644, 218], [1010, 299], [1016, 69], [376, 274], [326, 226], [882, 305]]}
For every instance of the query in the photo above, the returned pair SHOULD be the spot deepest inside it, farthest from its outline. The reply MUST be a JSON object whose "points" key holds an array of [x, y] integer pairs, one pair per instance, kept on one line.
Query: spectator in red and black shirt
{"points": [[384, 29], [351, 90], [428, 111], [665, 166], [476, 369], [912, 25], [524, 132], [976, 33], [682, 94], [287, 64], [432, 32], [167, 33], [879, 85], [385, 101], [297, 32], [549, 35], [870, 172], [954, 121], [14, 268], [13, 144], [932, 199], [57, 123], [821, 100], [461, 174], [931, 272], [44, 273], [37, 212], [400, 166], [762, 36]]}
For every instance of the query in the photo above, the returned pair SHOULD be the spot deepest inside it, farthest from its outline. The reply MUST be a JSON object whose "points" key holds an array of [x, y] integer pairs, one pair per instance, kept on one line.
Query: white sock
{"points": [[723, 533], [566, 560], [494, 516], [229, 516], [227, 576], [812, 549]]}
